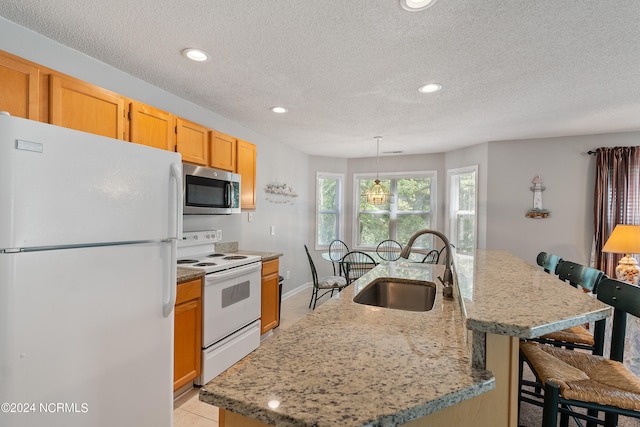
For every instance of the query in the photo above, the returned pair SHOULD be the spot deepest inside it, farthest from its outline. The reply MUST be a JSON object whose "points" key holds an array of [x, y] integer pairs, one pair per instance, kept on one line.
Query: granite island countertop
{"points": [[349, 364], [355, 365]]}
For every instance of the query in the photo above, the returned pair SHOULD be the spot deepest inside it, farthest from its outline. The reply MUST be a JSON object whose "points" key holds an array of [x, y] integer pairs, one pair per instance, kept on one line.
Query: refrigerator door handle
{"points": [[167, 307], [176, 174]]}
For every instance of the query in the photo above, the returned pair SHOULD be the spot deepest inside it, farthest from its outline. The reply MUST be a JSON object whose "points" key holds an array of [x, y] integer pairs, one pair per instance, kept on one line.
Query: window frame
{"points": [[433, 202], [452, 208], [340, 177]]}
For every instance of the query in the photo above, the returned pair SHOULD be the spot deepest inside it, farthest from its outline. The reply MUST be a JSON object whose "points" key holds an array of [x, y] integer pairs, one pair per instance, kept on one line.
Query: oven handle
{"points": [[212, 278]]}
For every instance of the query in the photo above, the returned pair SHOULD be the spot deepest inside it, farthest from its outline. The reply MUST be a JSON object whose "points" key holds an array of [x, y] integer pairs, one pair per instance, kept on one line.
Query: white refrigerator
{"points": [[88, 231]]}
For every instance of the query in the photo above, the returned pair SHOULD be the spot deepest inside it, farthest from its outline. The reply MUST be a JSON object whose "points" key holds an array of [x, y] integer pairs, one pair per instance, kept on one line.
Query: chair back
{"points": [[577, 274], [389, 250], [314, 273], [355, 264], [431, 257], [337, 249], [549, 262], [624, 298]]}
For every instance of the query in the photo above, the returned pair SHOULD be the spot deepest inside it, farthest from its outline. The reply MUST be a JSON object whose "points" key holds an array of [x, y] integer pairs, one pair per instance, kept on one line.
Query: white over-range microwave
{"points": [[210, 191]]}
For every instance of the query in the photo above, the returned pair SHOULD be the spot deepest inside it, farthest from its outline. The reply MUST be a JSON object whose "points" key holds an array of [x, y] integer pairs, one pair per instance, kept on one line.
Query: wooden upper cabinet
{"points": [[246, 166], [78, 105], [192, 141], [151, 126], [19, 83], [223, 151]]}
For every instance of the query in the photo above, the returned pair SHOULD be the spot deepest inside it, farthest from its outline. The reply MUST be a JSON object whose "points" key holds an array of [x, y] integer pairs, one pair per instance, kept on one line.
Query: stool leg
{"points": [[550, 408]]}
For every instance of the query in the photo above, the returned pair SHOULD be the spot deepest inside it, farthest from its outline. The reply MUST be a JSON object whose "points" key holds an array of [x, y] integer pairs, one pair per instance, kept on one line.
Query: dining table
{"points": [[413, 256]]}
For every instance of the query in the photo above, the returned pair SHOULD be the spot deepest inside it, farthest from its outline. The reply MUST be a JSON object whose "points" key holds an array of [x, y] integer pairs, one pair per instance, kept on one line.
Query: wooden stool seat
{"points": [[575, 334], [583, 376]]}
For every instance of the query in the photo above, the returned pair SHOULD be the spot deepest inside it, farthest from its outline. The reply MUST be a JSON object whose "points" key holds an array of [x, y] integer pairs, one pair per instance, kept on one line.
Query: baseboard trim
{"points": [[297, 290]]}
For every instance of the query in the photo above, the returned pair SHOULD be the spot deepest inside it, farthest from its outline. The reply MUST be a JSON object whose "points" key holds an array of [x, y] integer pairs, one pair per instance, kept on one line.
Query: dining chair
{"points": [[355, 264], [579, 380], [389, 250], [549, 262], [323, 285], [431, 257], [337, 249]]}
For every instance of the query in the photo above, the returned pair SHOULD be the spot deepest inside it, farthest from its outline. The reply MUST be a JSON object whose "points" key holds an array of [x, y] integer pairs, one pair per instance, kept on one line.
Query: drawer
{"points": [[270, 267], [188, 291]]}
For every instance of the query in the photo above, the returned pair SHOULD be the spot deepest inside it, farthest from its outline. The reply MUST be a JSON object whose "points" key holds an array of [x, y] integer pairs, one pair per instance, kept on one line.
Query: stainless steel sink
{"points": [[401, 294]]}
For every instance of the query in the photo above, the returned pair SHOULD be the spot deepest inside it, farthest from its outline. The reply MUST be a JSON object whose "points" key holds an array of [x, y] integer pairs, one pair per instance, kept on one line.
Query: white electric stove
{"points": [[231, 301]]}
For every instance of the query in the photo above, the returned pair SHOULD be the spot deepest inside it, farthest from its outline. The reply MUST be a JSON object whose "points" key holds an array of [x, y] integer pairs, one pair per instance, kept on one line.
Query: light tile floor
{"points": [[188, 411]]}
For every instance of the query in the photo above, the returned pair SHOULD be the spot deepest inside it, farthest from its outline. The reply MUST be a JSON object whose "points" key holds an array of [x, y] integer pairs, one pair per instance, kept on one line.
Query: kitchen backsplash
{"points": [[225, 247]]}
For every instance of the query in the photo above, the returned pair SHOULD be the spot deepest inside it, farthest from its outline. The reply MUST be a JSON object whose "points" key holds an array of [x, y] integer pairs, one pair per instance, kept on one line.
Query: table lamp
{"points": [[625, 239]]}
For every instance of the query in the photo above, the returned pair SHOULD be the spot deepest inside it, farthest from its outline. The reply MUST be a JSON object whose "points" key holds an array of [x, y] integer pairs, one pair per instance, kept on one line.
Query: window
{"points": [[410, 210], [462, 208], [328, 208]]}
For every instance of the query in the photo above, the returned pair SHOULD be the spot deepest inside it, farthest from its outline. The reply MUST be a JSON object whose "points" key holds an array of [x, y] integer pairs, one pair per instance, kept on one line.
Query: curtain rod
{"points": [[592, 152]]}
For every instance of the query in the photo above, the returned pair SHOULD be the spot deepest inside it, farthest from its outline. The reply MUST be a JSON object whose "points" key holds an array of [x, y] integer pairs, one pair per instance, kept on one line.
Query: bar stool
{"points": [[578, 336], [594, 383]]}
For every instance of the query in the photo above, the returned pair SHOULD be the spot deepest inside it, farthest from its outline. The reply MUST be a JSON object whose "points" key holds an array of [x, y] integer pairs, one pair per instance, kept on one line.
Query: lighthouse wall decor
{"points": [[537, 211]]}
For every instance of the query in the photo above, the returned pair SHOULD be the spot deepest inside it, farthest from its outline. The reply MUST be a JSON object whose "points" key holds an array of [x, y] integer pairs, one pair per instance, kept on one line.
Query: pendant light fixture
{"points": [[377, 194]]}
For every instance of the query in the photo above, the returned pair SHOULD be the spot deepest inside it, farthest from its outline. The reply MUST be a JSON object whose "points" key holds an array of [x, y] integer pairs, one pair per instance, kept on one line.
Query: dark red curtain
{"points": [[616, 198]]}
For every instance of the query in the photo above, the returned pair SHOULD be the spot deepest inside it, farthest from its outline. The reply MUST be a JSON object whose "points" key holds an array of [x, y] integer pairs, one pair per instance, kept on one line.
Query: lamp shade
{"points": [[625, 239]]}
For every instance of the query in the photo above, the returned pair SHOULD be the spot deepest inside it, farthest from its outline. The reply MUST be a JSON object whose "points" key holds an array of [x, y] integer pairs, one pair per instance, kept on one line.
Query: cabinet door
{"points": [[270, 296], [246, 166], [223, 151], [192, 142], [19, 88], [82, 106], [187, 333], [152, 127]]}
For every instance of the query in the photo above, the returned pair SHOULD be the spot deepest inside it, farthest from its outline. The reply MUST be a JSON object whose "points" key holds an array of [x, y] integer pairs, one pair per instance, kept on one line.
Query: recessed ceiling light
{"points": [[197, 55], [279, 110], [430, 88], [416, 5]]}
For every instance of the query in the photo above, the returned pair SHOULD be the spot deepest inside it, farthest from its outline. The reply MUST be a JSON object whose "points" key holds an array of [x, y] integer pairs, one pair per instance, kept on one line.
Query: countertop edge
{"points": [[265, 255], [188, 274]]}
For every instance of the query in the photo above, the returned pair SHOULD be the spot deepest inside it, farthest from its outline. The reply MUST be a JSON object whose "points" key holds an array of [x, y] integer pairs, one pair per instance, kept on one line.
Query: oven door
{"points": [[231, 301]]}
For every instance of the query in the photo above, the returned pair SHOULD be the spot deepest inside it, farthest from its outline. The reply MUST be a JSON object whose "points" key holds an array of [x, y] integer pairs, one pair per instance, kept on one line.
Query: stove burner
{"points": [[215, 255], [187, 261], [232, 257], [205, 264]]}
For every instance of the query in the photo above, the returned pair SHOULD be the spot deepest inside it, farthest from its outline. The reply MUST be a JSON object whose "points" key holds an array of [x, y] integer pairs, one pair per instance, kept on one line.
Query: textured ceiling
{"points": [[349, 70]]}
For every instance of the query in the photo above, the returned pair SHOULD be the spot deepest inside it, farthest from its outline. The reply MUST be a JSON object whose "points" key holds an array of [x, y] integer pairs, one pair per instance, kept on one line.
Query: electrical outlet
{"points": [[219, 235], [250, 216], [273, 230], [288, 275]]}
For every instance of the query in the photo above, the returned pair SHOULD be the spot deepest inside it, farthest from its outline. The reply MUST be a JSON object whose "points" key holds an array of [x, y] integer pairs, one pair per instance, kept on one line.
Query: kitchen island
{"points": [[348, 364]]}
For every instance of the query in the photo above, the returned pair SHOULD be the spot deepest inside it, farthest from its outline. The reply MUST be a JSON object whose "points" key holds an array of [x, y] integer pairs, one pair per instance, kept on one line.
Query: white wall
{"points": [[568, 173]]}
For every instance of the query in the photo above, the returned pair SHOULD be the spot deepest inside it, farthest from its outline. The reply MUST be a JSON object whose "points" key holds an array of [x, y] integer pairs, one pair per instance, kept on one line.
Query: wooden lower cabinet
{"points": [[187, 333], [270, 295]]}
